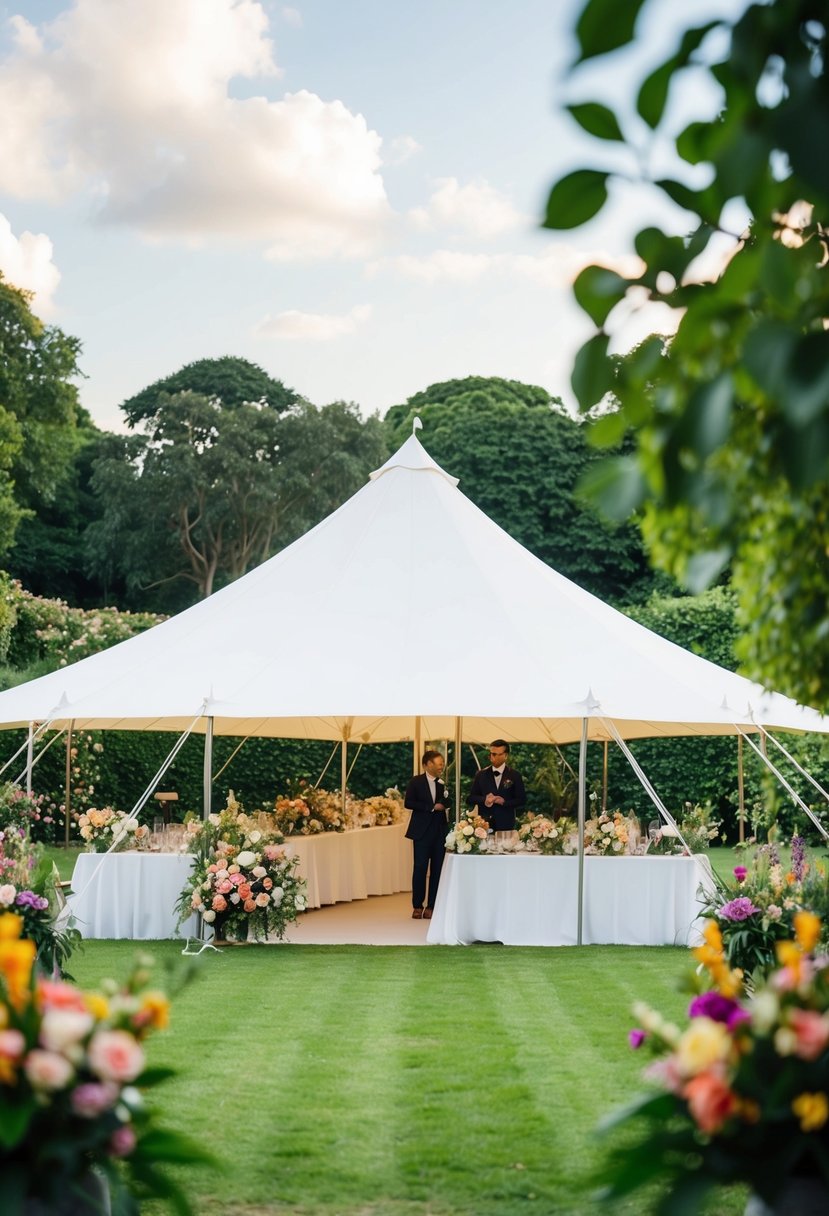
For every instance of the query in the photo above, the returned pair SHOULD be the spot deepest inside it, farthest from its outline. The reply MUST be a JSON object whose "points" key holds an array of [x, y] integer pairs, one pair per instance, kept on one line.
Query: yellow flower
{"points": [[812, 1110], [154, 1011], [807, 930], [97, 1005], [11, 926], [16, 962], [704, 1043]]}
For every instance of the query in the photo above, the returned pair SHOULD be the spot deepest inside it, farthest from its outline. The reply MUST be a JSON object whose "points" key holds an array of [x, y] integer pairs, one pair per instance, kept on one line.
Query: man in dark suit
{"points": [[427, 799], [498, 791]]}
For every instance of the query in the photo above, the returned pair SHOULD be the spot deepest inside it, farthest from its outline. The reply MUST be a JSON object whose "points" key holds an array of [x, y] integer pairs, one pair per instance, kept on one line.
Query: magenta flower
{"points": [[636, 1038], [718, 1008], [738, 909], [740, 873]]}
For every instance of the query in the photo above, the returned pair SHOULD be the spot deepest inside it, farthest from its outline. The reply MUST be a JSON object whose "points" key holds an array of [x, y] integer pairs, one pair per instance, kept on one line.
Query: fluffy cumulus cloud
{"points": [[134, 103], [26, 262], [476, 209], [556, 267], [295, 326]]}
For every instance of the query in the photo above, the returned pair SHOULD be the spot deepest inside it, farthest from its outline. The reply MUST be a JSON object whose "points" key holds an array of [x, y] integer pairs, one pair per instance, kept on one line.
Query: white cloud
{"points": [[400, 149], [556, 267], [26, 262], [296, 326], [132, 102], [476, 209]]}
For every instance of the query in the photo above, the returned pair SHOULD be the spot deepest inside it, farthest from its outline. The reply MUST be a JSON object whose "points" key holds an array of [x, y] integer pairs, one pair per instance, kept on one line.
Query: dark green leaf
{"points": [[766, 355], [804, 388], [607, 431], [681, 194], [592, 374], [597, 120], [654, 93], [705, 568], [615, 486], [692, 144], [598, 291], [707, 417], [576, 198], [605, 25]]}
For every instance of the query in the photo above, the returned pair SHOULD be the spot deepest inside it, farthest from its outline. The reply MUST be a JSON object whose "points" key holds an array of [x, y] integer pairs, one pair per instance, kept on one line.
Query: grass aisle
{"points": [[371, 1081]]}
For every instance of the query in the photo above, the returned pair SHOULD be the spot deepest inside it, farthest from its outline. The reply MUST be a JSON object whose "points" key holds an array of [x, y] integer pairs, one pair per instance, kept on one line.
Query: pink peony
{"points": [[114, 1055], [226, 886], [812, 1030], [12, 1044], [47, 1070], [54, 994], [122, 1141], [219, 903]]}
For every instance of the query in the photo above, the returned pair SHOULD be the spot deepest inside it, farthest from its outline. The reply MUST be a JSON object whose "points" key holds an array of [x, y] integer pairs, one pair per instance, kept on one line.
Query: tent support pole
{"points": [[741, 790], [458, 758], [208, 770], [29, 757], [343, 770], [416, 750], [604, 777], [67, 802], [582, 810]]}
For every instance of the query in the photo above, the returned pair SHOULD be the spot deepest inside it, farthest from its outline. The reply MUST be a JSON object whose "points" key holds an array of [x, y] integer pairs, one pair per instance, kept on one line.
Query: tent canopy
{"points": [[406, 603]]}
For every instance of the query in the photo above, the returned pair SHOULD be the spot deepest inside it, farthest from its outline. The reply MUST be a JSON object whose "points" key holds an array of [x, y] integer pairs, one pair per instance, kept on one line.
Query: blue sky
{"points": [[346, 192]]}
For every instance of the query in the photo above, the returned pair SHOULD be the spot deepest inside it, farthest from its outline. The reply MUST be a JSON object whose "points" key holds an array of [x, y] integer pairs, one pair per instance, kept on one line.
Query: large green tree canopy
{"points": [[731, 416], [210, 491], [38, 409], [229, 380], [519, 457]]}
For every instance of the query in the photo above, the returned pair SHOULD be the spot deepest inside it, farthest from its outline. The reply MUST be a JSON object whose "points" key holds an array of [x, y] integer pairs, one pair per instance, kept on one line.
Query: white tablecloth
{"points": [[526, 900], [340, 866], [130, 895]]}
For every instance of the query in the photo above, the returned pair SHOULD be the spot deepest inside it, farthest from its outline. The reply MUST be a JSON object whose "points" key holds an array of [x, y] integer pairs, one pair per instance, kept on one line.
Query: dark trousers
{"points": [[428, 857]]}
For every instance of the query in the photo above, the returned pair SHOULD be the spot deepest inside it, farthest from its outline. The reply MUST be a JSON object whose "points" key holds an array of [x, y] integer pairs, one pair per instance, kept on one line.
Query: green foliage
{"points": [[520, 457], [730, 418], [228, 381], [211, 491]]}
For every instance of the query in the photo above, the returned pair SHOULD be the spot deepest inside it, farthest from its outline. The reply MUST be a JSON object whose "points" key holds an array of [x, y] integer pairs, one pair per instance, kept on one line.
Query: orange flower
{"points": [[16, 962], [807, 930], [710, 1101], [154, 1011]]}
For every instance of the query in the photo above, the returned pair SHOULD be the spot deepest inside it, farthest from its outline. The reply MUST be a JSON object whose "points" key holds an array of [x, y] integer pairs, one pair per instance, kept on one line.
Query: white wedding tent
{"points": [[406, 614]]}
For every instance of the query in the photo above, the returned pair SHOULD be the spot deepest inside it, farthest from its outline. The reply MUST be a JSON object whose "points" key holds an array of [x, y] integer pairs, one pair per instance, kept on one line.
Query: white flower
{"points": [[255, 837], [209, 916], [246, 858], [259, 871], [7, 894]]}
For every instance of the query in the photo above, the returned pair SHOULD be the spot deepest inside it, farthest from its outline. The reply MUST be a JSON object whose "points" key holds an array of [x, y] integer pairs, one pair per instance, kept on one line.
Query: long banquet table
{"points": [[340, 866], [130, 895], [531, 900], [134, 895]]}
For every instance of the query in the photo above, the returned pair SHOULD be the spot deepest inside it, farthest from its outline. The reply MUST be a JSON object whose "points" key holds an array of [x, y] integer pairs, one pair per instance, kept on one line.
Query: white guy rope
{"points": [[793, 794]]}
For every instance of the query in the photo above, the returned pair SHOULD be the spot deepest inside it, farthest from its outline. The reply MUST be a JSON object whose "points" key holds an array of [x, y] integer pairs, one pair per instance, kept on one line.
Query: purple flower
{"points": [[636, 1038], [738, 909], [740, 873], [798, 858], [718, 1008], [28, 899]]}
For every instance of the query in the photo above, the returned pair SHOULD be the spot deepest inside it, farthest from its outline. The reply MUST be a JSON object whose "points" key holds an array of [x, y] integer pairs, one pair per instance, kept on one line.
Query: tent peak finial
{"points": [[417, 425], [414, 457]]}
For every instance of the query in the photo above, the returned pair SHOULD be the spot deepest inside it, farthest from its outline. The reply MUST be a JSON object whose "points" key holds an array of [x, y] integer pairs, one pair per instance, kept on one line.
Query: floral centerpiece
{"points": [[309, 813], [553, 837], [244, 881], [743, 1088], [756, 909], [37, 814], [27, 888], [72, 1066], [469, 835], [380, 810], [106, 830], [606, 835], [699, 826]]}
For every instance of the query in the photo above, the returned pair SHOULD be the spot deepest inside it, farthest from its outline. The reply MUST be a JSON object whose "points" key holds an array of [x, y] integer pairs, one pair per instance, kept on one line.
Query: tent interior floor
{"points": [[380, 920]]}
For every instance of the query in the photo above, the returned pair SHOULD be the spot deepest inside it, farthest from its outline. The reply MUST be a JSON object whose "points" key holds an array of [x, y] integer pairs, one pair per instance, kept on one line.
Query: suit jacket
{"points": [[419, 801], [511, 789]]}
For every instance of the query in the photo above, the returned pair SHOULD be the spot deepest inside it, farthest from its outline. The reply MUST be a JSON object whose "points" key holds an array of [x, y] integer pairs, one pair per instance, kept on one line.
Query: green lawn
{"points": [[368, 1081]]}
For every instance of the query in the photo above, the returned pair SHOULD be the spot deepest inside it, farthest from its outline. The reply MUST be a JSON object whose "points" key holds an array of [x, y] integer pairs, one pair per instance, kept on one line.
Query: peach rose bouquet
{"points": [[743, 1089], [72, 1072]]}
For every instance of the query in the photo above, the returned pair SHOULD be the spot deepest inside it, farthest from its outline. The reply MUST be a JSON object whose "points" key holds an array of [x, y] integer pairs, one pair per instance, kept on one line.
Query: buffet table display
{"points": [[130, 895], [341, 866], [531, 900]]}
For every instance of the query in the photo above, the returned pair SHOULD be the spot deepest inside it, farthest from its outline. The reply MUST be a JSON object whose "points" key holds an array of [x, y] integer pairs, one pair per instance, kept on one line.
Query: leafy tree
{"points": [[38, 409], [731, 416], [213, 491], [519, 456], [229, 380]]}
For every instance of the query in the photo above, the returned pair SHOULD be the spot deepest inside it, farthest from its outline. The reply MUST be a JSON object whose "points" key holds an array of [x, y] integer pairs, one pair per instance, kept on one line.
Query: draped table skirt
{"points": [[341, 866], [531, 900], [130, 895]]}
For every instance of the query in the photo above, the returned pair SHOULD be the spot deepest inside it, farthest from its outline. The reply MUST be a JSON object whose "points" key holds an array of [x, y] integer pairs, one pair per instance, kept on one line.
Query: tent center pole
{"points": [[416, 749], [604, 778], [67, 802], [741, 791], [208, 770], [343, 771], [582, 807], [458, 758]]}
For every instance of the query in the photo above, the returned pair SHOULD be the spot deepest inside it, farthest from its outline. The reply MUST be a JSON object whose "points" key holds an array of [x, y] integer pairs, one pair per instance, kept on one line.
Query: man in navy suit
{"points": [[427, 799], [498, 791]]}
